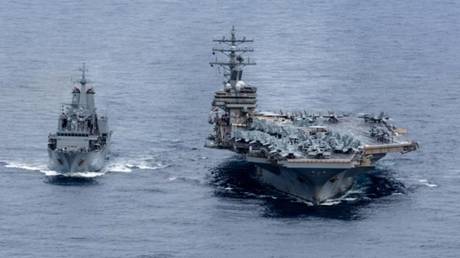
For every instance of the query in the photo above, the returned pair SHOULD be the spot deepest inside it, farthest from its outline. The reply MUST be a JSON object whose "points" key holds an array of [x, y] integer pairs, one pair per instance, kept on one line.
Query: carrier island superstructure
{"points": [[312, 156], [82, 140]]}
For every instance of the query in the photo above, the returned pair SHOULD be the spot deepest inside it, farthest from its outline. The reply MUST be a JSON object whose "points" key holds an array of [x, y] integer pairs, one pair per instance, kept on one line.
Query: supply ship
{"points": [[312, 156], [82, 140]]}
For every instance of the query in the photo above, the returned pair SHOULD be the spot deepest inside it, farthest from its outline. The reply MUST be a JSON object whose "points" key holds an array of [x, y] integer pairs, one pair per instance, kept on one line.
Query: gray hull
{"points": [[70, 162], [313, 185]]}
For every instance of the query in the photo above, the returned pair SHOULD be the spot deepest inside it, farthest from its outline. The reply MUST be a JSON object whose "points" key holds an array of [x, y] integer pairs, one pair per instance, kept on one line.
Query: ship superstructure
{"points": [[313, 156], [82, 140]]}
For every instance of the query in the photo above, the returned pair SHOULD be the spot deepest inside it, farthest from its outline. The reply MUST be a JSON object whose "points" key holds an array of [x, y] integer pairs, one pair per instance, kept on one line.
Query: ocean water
{"points": [[162, 193]]}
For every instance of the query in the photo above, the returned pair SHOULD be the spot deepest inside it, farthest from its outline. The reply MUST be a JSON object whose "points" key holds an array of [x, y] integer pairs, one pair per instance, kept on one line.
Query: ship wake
{"points": [[116, 165]]}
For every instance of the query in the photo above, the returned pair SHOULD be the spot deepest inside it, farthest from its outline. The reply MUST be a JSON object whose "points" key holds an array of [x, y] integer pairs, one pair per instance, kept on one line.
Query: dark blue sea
{"points": [[162, 193]]}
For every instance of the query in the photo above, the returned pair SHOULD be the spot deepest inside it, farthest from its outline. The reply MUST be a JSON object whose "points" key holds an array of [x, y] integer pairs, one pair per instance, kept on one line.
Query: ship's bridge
{"points": [[76, 120], [244, 97]]}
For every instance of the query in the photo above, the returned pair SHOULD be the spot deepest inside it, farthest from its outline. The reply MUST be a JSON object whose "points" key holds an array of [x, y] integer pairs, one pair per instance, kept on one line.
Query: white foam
{"points": [[427, 183], [76, 174], [146, 165], [129, 165], [25, 166], [50, 173], [330, 202], [85, 174], [115, 165], [298, 200], [347, 197], [118, 167], [44, 169]]}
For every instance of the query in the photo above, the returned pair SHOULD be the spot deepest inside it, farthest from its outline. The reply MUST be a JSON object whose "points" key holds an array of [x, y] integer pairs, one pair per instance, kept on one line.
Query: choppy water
{"points": [[163, 194]]}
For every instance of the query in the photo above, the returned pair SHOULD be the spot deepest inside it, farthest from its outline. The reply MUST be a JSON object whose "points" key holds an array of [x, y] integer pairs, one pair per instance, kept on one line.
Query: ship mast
{"points": [[83, 71], [233, 68], [83, 94]]}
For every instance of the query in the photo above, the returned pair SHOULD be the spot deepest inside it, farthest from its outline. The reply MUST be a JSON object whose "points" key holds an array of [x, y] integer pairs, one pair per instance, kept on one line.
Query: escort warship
{"points": [[311, 156], [82, 140]]}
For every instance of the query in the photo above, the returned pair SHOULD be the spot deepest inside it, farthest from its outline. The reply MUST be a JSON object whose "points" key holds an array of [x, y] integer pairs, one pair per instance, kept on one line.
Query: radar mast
{"points": [[83, 71], [233, 68]]}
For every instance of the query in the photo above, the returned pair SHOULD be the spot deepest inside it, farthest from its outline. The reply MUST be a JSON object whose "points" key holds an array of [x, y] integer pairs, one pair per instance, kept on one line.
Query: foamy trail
{"points": [[117, 167], [425, 182], [127, 166], [351, 195], [44, 170], [26, 166], [113, 166]]}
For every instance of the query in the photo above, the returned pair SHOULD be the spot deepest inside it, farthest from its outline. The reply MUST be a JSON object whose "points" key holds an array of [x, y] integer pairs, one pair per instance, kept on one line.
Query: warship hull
{"points": [[71, 162], [312, 185]]}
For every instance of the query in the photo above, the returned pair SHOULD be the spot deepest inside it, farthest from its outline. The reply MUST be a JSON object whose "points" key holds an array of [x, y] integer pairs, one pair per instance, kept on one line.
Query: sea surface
{"points": [[162, 193]]}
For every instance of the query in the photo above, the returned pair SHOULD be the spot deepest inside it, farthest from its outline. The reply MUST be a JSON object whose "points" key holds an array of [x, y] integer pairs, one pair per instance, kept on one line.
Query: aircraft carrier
{"points": [[82, 140], [311, 156]]}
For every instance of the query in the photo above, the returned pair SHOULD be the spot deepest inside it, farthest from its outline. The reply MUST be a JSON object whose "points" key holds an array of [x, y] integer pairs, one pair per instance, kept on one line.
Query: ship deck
{"points": [[261, 144], [347, 124]]}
